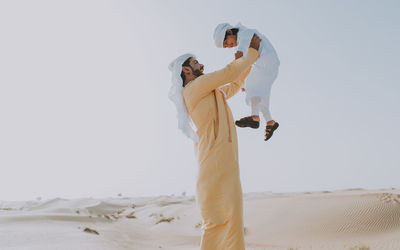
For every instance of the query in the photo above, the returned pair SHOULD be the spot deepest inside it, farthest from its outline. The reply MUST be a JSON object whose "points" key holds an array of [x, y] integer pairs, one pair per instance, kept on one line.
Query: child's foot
{"points": [[270, 128], [249, 121]]}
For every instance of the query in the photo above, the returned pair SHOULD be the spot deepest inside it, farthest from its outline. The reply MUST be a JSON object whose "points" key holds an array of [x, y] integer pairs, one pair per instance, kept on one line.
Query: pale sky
{"points": [[84, 110]]}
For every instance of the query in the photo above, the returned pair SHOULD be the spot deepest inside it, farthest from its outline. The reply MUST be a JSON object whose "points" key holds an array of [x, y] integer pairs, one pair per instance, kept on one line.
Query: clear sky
{"points": [[84, 108]]}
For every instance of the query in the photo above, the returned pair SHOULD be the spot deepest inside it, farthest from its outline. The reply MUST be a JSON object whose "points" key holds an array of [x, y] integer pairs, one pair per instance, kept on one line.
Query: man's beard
{"points": [[197, 72]]}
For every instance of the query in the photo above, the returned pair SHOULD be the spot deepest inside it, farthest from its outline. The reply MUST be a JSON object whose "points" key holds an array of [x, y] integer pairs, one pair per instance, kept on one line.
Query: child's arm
{"points": [[232, 88], [244, 39]]}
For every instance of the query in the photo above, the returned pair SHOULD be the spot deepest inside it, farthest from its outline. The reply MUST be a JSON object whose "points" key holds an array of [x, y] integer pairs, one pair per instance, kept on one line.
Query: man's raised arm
{"points": [[205, 84], [232, 88]]}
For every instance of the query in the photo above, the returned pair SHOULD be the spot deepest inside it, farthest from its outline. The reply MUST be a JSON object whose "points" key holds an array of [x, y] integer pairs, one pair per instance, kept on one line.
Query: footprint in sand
{"points": [[390, 198], [360, 248], [165, 220], [6, 208], [131, 216], [89, 230]]}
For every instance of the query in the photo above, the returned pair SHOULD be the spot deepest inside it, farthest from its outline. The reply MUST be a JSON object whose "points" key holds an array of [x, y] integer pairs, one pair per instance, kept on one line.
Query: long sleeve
{"points": [[205, 84], [232, 88], [244, 39]]}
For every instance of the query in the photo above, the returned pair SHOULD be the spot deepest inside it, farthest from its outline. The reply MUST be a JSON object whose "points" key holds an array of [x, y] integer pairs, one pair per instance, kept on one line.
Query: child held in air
{"points": [[263, 73]]}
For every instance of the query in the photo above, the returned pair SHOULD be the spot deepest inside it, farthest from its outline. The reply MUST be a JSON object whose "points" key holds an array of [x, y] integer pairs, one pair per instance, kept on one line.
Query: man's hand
{"points": [[238, 55], [255, 42], [243, 89]]}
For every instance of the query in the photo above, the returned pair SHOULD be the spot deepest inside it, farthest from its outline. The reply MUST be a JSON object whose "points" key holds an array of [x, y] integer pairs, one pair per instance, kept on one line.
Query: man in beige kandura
{"points": [[201, 101]]}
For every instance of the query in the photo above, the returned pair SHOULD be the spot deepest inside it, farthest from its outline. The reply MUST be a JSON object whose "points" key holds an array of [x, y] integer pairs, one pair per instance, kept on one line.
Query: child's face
{"points": [[230, 41]]}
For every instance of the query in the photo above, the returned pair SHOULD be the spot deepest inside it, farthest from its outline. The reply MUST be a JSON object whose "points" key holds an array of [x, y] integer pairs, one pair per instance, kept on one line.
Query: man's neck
{"points": [[189, 78]]}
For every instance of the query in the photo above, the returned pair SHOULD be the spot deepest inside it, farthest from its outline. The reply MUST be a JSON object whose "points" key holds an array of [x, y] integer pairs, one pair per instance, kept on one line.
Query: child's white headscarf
{"points": [[175, 95], [219, 34]]}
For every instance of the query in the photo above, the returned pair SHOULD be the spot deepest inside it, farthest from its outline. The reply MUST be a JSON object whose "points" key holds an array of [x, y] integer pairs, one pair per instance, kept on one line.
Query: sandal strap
{"points": [[247, 119], [270, 128]]}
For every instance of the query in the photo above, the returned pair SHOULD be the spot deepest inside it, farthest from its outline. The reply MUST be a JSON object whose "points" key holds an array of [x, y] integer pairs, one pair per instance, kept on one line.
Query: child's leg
{"points": [[264, 106], [266, 113], [255, 107], [271, 124]]}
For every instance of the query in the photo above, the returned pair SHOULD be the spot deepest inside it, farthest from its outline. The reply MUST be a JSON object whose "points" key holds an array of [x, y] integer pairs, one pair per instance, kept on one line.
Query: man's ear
{"points": [[186, 70]]}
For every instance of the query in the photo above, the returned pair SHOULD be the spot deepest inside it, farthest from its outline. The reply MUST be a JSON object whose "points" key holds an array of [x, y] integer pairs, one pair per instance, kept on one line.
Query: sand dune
{"points": [[349, 219]]}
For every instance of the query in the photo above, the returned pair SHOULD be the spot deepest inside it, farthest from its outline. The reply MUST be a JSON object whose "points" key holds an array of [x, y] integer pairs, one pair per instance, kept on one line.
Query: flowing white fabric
{"points": [[175, 95], [265, 70], [219, 34]]}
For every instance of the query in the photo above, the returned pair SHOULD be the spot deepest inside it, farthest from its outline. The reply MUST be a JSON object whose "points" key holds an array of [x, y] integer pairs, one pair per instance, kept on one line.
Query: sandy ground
{"points": [[348, 219]]}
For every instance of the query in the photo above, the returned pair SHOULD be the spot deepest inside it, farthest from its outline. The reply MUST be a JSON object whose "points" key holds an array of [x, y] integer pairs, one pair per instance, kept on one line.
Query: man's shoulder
{"points": [[192, 86], [189, 87], [186, 90], [193, 83]]}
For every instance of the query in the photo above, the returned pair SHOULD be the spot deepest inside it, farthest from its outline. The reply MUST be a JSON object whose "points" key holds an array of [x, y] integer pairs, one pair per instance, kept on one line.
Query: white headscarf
{"points": [[219, 34], [175, 95]]}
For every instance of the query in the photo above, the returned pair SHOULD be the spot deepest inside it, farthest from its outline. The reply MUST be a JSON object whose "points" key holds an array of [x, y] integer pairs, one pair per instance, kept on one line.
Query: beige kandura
{"points": [[218, 187]]}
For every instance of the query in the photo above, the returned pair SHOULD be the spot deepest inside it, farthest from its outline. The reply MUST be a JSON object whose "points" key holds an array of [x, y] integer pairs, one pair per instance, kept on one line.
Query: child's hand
{"points": [[243, 89], [238, 55]]}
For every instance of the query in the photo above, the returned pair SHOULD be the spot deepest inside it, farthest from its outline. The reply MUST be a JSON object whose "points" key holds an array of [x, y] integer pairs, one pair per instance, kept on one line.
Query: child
{"points": [[263, 74]]}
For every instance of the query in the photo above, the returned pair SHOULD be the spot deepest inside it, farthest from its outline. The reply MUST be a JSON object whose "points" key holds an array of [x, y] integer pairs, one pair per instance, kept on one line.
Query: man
{"points": [[218, 188]]}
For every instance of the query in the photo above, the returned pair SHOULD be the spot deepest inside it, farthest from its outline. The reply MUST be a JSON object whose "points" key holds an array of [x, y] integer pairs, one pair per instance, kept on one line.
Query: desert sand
{"points": [[343, 219]]}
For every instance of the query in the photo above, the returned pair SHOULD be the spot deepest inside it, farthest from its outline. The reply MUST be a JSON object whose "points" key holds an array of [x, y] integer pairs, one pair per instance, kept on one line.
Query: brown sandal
{"points": [[247, 122], [269, 130]]}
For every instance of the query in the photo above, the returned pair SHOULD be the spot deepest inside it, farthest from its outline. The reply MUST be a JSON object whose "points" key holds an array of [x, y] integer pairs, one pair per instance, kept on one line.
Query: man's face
{"points": [[230, 41], [197, 68]]}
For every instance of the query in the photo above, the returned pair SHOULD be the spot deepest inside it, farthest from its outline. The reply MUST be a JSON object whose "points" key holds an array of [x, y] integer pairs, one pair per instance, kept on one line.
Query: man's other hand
{"points": [[238, 55], [255, 42]]}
